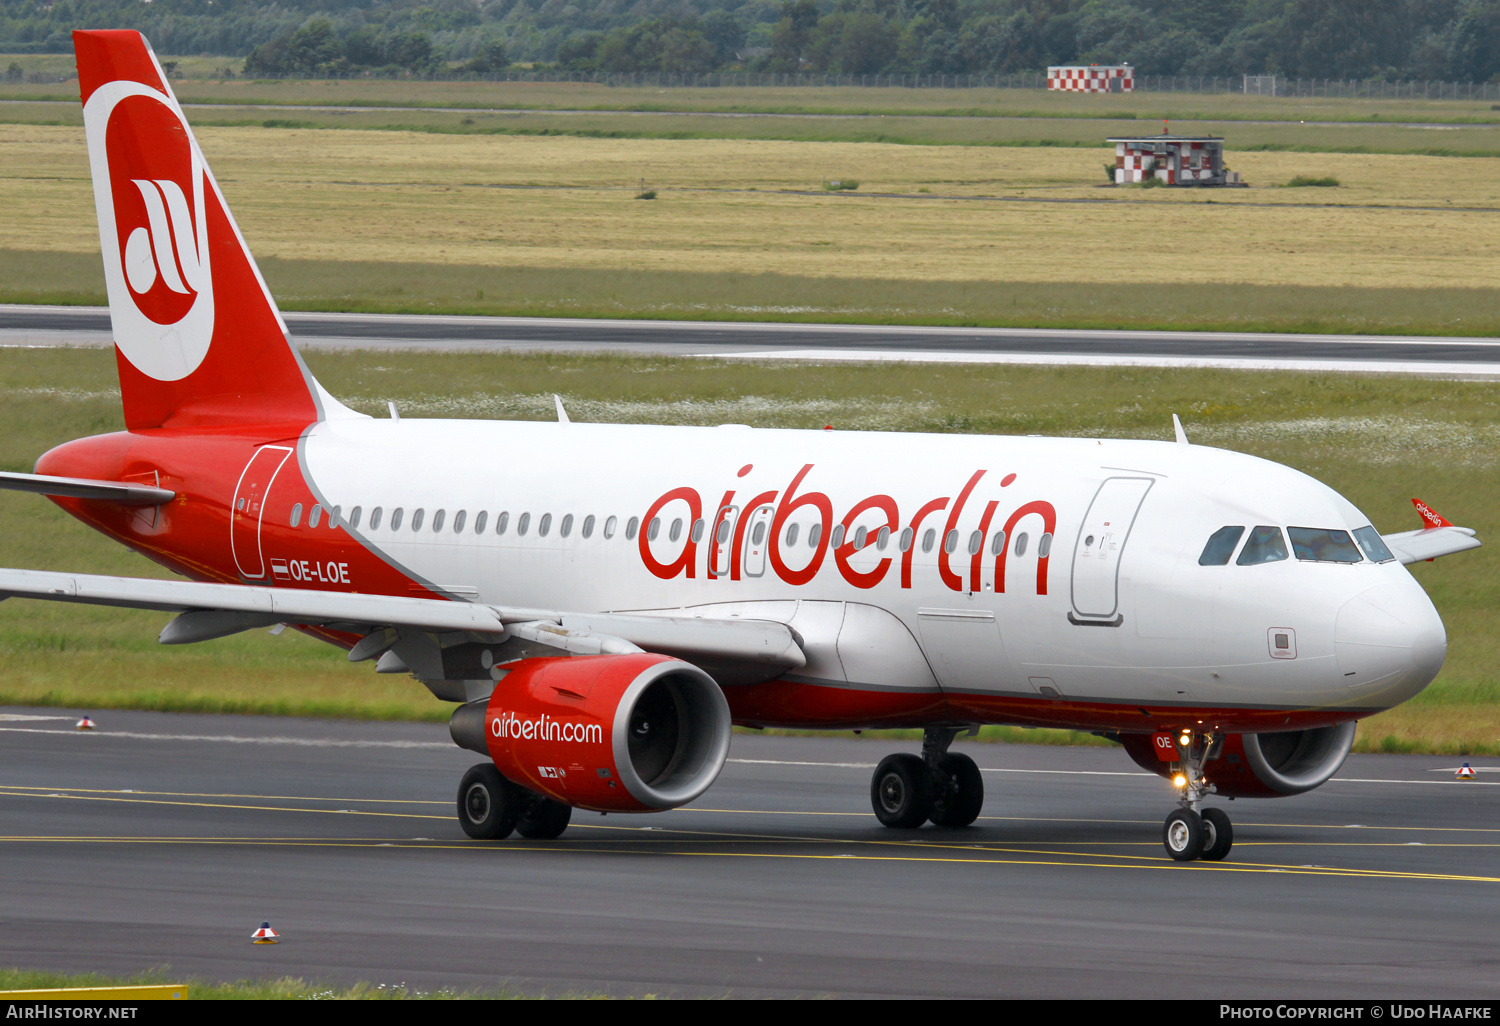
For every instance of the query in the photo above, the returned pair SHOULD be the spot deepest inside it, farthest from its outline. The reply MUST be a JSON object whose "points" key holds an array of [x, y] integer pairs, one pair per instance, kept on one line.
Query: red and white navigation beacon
{"points": [[85, 724], [1465, 772], [265, 935]]}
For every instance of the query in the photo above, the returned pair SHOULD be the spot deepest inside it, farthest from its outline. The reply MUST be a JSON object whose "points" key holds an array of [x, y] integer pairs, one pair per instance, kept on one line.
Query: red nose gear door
{"points": [[249, 506]]}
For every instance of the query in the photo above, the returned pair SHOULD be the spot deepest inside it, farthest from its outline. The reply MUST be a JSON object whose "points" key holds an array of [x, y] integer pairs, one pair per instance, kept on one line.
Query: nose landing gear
{"points": [[939, 786], [1189, 833]]}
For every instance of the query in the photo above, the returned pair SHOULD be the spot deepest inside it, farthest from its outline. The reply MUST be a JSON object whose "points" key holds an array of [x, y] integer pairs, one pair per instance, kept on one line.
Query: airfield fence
{"points": [[1289, 87]]}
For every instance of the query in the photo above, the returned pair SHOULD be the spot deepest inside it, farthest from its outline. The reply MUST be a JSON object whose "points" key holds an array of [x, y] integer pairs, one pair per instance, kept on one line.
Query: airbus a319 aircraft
{"points": [[604, 602]]}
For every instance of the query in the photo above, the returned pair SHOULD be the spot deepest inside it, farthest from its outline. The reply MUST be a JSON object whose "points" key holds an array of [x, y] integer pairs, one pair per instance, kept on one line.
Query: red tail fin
{"points": [[198, 339], [1430, 517]]}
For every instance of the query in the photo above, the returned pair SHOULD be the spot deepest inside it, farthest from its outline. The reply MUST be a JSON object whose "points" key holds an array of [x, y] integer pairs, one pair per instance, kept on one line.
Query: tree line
{"points": [[1454, 40]]}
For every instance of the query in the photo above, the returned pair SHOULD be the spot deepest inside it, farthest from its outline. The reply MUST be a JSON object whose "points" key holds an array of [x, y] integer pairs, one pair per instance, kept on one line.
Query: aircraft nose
{"points": [[1390, 642]]}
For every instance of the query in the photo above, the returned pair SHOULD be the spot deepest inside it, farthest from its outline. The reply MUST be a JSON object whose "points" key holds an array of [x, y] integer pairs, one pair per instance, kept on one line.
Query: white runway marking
{"points": [[304, 742]]}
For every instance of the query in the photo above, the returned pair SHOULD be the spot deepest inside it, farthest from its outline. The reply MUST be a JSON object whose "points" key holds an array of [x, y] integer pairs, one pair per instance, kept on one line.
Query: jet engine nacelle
{"points": [[1261, 765], [614, 733]]}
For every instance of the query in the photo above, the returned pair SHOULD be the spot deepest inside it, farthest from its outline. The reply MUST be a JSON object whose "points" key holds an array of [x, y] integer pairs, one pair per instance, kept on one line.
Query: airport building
{"points": [[1174, 159], [1092, 78]]}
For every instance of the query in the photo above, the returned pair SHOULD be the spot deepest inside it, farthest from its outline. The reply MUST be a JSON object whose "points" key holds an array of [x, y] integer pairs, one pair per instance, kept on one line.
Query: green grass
{"points": [[286, 988], [381, 287], [1303, 181], [1377, 439]]}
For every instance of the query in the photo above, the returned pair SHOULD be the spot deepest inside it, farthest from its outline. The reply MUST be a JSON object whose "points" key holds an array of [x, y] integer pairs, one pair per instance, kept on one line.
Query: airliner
{"points": [[604, 603]]}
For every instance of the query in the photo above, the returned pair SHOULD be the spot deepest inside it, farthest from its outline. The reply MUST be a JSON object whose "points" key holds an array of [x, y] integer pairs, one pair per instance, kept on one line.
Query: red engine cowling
{"points": [[1261, 765], [614, 733]]}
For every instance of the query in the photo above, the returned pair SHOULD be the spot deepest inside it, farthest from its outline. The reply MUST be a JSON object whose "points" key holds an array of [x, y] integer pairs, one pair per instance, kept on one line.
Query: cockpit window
{"points": [[1220, 546], [1374, 546], [1322, 545], [1265, 546]]}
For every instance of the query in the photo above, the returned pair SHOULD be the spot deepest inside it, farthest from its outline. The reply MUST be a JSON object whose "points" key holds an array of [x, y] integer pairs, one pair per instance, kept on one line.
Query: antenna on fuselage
{"points": [[562, 414], [391, 405], [1182, 438]]}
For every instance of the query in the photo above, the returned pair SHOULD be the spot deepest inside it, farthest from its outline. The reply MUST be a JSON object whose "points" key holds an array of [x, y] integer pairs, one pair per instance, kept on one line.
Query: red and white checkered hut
{"points": [[1092, 78], [1175, 159]]}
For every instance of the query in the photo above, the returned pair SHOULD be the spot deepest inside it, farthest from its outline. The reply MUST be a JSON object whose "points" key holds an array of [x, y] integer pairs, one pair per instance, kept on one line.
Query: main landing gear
{"points": [[491, 808], [938, 785], [1190, 833]]}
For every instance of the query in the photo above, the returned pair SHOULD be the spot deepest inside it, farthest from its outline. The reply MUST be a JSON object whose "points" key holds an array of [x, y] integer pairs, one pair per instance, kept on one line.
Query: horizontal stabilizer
{"points": [[1430, 543], [121, 492]]}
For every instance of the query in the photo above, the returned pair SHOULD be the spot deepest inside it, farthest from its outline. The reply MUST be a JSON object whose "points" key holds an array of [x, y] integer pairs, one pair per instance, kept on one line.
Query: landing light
{"points": [[1179, 781]]}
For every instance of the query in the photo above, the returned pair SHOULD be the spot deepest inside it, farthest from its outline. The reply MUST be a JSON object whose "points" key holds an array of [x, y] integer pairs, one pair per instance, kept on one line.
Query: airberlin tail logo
{"points": [[150, 186]]}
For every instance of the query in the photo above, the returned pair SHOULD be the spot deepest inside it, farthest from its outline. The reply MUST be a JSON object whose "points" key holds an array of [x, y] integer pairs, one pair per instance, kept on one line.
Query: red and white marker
{"points": [[265, 935], [1465, 772], [85, 724]]}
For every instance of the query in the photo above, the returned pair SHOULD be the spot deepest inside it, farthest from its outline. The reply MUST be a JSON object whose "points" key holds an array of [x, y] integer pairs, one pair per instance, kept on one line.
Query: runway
{"points": [[1446, 357], [164, 840]]}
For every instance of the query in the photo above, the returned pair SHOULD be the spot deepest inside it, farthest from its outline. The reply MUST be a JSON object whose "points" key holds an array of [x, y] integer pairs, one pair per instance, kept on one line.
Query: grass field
{"points": [[960, 234], [1378, 440], [284, 989]]}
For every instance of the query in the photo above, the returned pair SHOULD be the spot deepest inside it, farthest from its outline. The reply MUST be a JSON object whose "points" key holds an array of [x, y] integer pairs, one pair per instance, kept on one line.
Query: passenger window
{"points": [[997, 543], [1044, 547], [296, 515], [929, 537], [315, 517], [906, 537], [814, 535], [1323, 545], [1265, 546], [437, 521], [479, 521], [375, 518], [654, 529], [354, 517], [725, 527], [836, 539], [859, 538], [1374, 545], [458, 521], [950, 542], [883, 538], [676, 531], [976, 542], [523, 522], [502, 522], [544, 525], [757, 537], [588, 526], [1021, 544], [609, 527], [631, 527], [1220, 546], [333, 517], [791, 534], [566, 527], [697, 534], [396, 519], [416, 519]]}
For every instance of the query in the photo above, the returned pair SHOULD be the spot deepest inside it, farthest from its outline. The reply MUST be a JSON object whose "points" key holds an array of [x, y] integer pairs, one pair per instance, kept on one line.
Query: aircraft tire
{"points": [[543, 819], [901, 791], [1182, 835], [488, 804], [957, 805], [1218, 835]]}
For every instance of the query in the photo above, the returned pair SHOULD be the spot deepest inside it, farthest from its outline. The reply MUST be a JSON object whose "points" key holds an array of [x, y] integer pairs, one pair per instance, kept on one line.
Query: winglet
{"points": [[1182, 438], [1430, 517]]}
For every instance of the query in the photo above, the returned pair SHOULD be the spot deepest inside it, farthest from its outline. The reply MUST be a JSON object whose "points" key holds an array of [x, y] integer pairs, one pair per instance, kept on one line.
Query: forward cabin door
{"points": [[249, 506], [1101, 542], [758, 540]]}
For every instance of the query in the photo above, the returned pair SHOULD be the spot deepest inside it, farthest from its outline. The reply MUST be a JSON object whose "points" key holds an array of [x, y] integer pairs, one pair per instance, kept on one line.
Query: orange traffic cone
{"points": [[1465, 772], [85, 724], [265, 935]]}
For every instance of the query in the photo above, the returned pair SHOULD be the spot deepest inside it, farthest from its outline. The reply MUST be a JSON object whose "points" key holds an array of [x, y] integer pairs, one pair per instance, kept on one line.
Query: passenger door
{"points": [[250, 496], [1101, 542]]}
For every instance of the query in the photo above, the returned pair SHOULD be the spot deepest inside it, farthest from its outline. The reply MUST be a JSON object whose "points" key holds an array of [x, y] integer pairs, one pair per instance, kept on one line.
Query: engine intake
{"points": [[1262, 765], [615, 733]]}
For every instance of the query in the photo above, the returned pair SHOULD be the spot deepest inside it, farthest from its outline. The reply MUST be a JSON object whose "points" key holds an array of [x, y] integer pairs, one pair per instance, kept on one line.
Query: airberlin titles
{"points": [[841, 540]]}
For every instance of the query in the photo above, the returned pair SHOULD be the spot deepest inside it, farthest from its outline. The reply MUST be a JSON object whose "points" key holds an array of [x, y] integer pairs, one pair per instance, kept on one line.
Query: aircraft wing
{"points": [[207, 611], [1430, 543]]}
